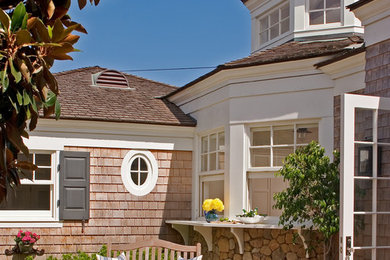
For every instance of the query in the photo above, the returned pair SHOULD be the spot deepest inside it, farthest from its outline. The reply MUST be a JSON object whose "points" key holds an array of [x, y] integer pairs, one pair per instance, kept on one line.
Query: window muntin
{"points": [[212, 155], [139, 172], [275, 23], [36, 194], [270, 145], [324, 11]]}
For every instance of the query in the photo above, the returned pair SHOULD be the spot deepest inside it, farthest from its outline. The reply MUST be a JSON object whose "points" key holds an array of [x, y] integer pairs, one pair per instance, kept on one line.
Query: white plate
{"points": [[251, 220]]}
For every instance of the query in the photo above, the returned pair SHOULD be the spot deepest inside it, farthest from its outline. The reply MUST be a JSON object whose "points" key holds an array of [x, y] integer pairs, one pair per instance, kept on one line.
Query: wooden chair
{"points": [[155, 249]]}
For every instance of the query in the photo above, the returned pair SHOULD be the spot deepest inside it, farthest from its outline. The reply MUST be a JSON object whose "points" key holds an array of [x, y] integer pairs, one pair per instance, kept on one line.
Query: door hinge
{"points": [[58, 203], [59, 167]]}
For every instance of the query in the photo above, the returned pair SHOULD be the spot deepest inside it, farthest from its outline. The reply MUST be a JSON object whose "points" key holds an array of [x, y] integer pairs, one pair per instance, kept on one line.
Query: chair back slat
{"points": [[146, 253], [153, 253], [166, 254], [172, 254], [191, 255], [134, 254], [159, 253]]}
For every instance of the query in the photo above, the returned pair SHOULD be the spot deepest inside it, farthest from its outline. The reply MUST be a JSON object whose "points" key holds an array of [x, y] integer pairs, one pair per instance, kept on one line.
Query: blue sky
{"points": [[148, 34]]}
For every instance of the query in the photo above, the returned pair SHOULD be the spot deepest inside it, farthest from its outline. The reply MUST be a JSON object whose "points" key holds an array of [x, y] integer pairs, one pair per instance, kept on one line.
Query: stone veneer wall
{"points": [[117, 216], [259, 244]]}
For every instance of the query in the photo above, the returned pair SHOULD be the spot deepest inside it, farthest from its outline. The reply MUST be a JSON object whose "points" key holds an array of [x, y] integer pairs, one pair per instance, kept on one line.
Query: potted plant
{"points": [[210, 207], [250, 217]]}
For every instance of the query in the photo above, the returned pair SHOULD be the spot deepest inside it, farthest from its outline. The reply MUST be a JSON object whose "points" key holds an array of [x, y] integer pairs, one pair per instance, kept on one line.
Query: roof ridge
{"points": [[65, 72]]}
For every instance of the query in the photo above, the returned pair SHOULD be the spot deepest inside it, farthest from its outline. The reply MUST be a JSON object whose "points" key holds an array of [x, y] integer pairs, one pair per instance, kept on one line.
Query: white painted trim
{"points": [[31, 224], [151, 180]]}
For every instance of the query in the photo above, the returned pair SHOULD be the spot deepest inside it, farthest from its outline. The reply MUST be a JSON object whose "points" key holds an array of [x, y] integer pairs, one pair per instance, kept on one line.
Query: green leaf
{"points": [[18, 17], [17, 75], [19, 98], [23, 37], [26, 98], [50, 31], [4, 80], [57, 109], [24, 23], [51, 99], [5, 20]]}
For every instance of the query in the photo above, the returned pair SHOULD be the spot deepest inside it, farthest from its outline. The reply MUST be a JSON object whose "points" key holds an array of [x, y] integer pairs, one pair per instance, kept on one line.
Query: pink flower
{"points": [[27, 233], [32, 241]]}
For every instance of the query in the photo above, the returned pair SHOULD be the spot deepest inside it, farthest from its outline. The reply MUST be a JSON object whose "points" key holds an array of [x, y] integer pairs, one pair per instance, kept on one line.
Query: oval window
{"points": [[139, 172]]}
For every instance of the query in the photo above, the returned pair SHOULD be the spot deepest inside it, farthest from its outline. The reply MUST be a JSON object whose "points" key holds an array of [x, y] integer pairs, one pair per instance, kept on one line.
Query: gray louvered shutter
{"points": [[74, 185]]}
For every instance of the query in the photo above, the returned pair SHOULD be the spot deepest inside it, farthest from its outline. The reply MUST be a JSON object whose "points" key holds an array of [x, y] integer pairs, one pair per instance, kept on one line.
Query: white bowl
{"points": [[251, 220]]}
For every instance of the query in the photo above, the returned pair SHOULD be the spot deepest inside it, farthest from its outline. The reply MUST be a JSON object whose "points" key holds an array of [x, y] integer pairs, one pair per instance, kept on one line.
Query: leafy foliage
{"points": [[33, 34], [313, 192]]}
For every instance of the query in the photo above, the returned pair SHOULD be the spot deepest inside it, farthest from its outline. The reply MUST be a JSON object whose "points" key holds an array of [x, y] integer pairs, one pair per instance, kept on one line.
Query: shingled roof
{"points": [[289, 51], [81, 100]]}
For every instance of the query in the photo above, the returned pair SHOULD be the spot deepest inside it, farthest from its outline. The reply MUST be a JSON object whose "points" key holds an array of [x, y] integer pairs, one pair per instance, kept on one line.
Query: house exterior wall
{"points": [[117, 216]]}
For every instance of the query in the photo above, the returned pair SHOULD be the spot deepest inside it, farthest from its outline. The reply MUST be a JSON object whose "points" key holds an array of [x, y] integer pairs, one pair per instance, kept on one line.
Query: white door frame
{"points": [[349, 103]]}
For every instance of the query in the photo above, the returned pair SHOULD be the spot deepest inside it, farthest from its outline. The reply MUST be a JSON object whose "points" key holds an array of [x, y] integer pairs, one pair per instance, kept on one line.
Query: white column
{"points": [[235, 178]]}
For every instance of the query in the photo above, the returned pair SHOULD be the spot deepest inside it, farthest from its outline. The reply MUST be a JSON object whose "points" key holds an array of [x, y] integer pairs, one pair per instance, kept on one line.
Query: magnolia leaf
{"points": [[33, 120], [14, 136], [23, 37], [17, 75], [31, 22], [82, 3], [5, 20], [18, 17], [43, 34], [51, 99], [97, 2], [50, 80], [26, 98], [50, 31], [69, 23], [26, 165], [50, 9], [48, 111], [24, 69], [61, 56], [58, 31], [71, 38], [4, 80], [19, 97], [57, 109], [24, 23]]}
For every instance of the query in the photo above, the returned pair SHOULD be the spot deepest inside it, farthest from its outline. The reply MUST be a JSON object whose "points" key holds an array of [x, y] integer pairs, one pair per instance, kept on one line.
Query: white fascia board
{"points": [[233, 76], [55, 135], [345, 67], [327, 30], [264, 6], [252, 5]]}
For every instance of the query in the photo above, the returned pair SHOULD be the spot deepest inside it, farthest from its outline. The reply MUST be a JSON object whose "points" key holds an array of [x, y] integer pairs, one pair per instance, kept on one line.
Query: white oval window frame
{"points": [[150, 181]]}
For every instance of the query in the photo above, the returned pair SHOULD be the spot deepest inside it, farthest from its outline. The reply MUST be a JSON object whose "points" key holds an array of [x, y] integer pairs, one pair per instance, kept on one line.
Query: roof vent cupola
{"points": [[110, 79]]}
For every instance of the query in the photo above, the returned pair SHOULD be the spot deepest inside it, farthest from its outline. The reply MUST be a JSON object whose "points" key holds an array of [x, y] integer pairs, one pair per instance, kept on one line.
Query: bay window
{"points": [[324, 11], [269, 145], [275, 23]]}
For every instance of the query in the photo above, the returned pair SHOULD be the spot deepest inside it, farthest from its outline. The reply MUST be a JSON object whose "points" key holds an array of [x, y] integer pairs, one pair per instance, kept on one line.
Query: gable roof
{"points": [[358, 4], [289, 51], [80, 100]]}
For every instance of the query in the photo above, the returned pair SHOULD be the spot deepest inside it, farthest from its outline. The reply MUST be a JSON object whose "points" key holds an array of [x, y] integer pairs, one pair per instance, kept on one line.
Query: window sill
{"points": [[31, 224]]}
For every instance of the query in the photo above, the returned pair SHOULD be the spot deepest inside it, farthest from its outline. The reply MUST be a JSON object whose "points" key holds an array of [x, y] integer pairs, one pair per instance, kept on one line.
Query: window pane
{"points": [[134, 177], [143, 176], [205, 144], [263, 37], [307, 133], [213, 161], [333, 16], [26, 174], [316, 18], [43, 159], [260, 195], [43, 174], [316, 4], [134, 164], [285, 11], [277, 185], [261, 136], [283, 135], [274, 17], [143, 165], [280, 153], [260, 157], [203, 159], [332, 3], [221, 160], [213, 143], [264, 24], [212, 190], [285, 26], [274, 31], [28, 197], [221, 141]]}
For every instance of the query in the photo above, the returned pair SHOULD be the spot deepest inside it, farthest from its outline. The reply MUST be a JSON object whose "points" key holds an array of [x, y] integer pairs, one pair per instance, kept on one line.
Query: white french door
{"points": [[365, 178]]}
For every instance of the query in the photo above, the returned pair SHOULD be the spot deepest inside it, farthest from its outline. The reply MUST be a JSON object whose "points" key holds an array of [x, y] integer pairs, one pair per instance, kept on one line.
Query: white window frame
{"points": [[150, 181], [7, 217], [269, 172], [280, 20], [217, 151], [323, 25]]}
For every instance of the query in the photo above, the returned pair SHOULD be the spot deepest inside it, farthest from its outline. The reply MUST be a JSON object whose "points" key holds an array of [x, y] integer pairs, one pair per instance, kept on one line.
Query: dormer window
{"points": [[324, 11], [275, 23]]}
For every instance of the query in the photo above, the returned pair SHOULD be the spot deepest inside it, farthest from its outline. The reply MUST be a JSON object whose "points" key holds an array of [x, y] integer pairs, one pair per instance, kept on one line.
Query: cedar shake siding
{"points": [[116, 215]]}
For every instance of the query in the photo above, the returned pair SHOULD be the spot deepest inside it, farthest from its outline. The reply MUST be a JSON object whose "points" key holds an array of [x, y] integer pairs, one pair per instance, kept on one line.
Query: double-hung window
{"points": [[212, 163], [275, 23], [35, 198], [324, 11], [269, 145]]}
